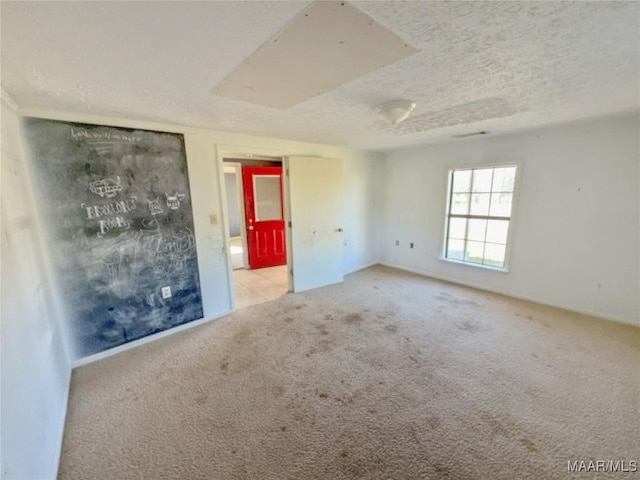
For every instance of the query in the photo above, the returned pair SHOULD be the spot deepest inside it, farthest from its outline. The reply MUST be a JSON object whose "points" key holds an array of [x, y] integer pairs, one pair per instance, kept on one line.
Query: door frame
{"points": [[223, 151], [236, 168]]}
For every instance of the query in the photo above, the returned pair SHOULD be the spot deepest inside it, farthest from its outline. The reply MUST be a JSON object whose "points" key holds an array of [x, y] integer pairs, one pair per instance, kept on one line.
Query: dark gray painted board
{"points": [[116, 207]]}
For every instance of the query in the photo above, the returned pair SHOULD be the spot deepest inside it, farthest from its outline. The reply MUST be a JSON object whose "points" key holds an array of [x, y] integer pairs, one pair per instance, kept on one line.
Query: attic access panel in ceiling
{"points": [[327, 45]]}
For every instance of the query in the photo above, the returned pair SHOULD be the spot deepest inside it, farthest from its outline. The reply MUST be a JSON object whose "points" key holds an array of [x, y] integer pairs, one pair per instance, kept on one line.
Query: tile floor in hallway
{"points": [[260, 285]]}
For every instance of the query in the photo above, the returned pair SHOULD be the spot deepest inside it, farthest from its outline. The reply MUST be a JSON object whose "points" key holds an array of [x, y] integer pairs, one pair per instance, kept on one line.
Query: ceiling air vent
{"points": [[472, 134]]}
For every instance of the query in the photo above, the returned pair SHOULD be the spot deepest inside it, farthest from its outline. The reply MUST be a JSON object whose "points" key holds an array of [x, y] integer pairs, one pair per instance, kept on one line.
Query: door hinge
{"points": [[291, 272], [289, 224], [286, 172]]}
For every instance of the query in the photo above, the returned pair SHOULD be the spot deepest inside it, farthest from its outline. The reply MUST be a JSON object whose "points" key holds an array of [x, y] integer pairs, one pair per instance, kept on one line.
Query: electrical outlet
{"points": [[213, 219], [166, 292], [397, 243]]}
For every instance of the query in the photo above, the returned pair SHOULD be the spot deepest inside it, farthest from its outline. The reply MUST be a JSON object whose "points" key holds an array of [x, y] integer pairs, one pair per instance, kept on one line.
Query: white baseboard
{"points": [[145, 340], [361, 268], [512, 295]]}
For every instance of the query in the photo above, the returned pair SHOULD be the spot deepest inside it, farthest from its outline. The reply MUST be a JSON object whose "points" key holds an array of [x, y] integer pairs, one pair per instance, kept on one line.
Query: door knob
{"points": [[339, 229], [250, 227]]}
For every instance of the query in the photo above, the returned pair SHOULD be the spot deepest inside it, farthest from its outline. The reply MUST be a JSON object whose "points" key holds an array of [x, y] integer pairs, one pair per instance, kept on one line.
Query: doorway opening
{"points": [[256, 228]]}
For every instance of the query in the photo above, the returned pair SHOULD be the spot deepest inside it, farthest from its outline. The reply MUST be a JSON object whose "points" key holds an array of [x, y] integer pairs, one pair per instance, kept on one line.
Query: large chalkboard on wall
{"points": [[116, 208]]}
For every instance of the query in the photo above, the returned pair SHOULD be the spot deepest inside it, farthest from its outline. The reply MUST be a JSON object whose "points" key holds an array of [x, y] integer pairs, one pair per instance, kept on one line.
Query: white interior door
{"points": [[315, 198]]}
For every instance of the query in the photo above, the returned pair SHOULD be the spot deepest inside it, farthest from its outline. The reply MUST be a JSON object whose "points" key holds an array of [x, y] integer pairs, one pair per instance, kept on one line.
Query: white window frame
{"points": [[516, 189]]}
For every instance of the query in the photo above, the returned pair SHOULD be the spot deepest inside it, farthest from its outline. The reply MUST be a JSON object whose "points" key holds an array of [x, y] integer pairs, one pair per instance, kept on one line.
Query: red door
{"points": [[264, 216]]}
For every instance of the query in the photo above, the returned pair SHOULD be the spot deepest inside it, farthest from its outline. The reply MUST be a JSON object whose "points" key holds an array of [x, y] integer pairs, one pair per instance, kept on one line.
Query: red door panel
{"points": [[264, 216]]}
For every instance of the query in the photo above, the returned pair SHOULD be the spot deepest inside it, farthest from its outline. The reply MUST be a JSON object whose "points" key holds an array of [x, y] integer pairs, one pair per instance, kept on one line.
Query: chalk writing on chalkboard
{"points": [[117, 211], [154, 207], [173, 201], [106, 188]]}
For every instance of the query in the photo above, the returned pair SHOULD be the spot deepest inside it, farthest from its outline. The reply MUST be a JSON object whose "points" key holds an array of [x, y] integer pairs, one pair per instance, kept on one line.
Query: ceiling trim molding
{"points": [[118, 122], [8, 101]]}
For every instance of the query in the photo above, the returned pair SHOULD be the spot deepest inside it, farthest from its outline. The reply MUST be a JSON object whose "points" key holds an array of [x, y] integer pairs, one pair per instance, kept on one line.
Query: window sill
{"points": [[475, 265]]}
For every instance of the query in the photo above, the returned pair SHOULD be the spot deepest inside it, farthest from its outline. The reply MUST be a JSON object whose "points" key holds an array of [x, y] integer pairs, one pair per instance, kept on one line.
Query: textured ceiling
{"points": [[496, 66]]}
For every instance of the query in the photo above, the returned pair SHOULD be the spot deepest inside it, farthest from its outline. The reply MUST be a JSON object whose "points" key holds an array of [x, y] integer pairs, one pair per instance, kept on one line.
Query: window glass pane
{"points": [[457, 228], [503, 179], [500, 204], [480, 193], [474, 252], [460, 203], [455, 249], [268, 200], [477, 229], [461, 181], [480, 203], [494, 255], [482, 180], [497, 231]]}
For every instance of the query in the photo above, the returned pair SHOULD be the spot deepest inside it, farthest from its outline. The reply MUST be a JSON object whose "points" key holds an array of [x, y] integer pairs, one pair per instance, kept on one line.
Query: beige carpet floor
{"points": [[387, 376]]}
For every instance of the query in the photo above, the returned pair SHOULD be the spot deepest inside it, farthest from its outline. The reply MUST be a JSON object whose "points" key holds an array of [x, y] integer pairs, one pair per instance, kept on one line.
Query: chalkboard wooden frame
{"points": [[116, 208]]}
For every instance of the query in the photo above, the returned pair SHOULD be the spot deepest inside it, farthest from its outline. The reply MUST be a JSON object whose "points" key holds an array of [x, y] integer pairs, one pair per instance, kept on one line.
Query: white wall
{"points": [[577, 219], [204, 157], [361, 211], [35, 369]]}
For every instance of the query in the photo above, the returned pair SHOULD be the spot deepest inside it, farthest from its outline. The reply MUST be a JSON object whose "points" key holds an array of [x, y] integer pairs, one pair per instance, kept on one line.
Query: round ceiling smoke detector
{"points": [[395, 111]]}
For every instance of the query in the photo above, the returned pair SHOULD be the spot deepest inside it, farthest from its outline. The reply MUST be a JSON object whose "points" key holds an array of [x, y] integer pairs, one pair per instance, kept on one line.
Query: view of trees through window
{"points": [[479, 213]]}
